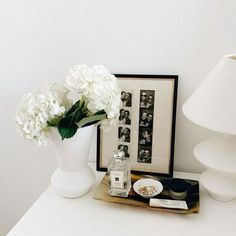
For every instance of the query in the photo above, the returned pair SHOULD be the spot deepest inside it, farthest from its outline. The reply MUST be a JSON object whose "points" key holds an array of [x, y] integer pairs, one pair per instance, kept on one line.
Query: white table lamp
{"points": [[213, 106]]}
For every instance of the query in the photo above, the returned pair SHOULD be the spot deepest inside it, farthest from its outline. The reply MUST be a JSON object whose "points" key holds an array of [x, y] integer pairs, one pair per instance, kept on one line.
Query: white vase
{"points": [[74, 177]]}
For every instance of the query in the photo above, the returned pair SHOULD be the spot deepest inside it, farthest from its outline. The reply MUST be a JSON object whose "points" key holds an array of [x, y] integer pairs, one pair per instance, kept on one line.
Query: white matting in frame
{"points": [[150, 145]]}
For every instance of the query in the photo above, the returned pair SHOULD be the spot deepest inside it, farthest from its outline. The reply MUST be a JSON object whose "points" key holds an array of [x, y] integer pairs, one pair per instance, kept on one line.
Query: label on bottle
{"points": [[117, 179]]}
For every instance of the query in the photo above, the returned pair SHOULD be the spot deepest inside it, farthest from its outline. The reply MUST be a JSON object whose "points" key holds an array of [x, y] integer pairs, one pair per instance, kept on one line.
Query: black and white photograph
{"points": [[126, 98], [147, 99], [124, 134], [146, 124], [124, 148], [145, 137], [146, 118], [144, 155], [124, 118], [146, 111]]}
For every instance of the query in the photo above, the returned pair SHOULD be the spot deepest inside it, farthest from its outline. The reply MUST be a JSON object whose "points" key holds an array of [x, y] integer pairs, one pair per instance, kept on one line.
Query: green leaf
{"points": [[100, 112], [67, 126], [67, 131], [75, 107], [91, 120]]}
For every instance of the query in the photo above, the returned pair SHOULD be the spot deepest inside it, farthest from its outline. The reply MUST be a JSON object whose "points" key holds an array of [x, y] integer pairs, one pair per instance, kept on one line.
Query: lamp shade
{"points": [[213, 103]]}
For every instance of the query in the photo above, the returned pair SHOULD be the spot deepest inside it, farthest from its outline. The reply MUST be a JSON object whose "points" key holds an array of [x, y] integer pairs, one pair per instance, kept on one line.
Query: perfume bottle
{"points": [[119, 175]]}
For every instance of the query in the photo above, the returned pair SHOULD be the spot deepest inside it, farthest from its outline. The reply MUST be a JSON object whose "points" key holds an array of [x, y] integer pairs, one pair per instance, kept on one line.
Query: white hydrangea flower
{"points": [[98, 87], [38, 107]]}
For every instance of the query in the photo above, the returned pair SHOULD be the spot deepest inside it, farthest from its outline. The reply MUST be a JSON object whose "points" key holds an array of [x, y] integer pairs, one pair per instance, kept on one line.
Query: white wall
{"points": [[40, 39]]}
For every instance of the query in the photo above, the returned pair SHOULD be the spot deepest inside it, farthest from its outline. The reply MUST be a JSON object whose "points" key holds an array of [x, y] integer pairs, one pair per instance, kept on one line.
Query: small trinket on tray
{"points": [[119, 175]]}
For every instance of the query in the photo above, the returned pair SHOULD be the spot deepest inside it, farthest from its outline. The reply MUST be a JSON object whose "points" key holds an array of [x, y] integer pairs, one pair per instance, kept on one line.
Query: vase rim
{"points": [[53, 134]]}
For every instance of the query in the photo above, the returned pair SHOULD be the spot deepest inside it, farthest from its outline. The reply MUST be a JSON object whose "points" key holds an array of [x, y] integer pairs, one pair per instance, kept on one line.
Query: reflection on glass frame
{"points": [[146, 126]]}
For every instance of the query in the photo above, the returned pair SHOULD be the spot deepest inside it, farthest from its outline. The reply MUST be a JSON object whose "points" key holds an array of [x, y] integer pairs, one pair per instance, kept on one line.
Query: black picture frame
{"points": [[173, 78]]}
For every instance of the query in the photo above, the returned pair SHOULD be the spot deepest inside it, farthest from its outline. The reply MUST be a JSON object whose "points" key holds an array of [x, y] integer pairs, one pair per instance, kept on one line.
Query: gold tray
{"points": [[133, 199]]}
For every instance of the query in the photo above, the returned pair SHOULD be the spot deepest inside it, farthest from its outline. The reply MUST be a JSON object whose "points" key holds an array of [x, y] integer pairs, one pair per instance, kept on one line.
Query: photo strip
{"points": [[124, 129], [146, 116]]}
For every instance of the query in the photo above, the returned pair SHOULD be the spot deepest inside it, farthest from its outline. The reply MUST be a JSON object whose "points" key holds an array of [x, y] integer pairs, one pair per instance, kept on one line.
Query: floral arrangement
{"points": [[98, 101]]}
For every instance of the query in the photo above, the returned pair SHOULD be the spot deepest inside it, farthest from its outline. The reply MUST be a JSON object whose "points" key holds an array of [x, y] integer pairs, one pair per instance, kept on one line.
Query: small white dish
{"points": [[147, 188]]}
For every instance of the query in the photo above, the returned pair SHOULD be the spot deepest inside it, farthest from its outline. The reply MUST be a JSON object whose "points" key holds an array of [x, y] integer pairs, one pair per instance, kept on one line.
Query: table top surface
{"points": [[54, 215]]}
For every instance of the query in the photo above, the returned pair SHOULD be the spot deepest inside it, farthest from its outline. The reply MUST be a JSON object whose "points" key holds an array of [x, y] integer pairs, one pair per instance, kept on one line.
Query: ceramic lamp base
{"points": [[218, 154], [220, 188], [73, 184]]}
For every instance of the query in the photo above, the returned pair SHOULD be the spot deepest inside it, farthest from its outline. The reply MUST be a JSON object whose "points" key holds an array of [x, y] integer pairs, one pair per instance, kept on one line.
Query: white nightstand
{"points": [[52, 215]]}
